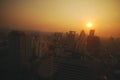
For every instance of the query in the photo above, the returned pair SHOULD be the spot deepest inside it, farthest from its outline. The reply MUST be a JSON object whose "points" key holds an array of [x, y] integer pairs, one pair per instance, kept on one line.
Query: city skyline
{"points": [[59, 56]]}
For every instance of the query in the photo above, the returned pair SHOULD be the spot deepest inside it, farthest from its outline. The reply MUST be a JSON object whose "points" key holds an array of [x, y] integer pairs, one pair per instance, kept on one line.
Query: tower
{"points": [[93, 43], [20, 48], [92, 32]]}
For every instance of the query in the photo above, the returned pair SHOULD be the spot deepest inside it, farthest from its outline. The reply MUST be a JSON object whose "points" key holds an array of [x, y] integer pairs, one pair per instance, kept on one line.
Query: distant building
{"points": [[43, 48], [92, 32], [58, 36], [35, 45], [93, 43], [73, 69], [70, 41], [20, 47], [81, 42]]}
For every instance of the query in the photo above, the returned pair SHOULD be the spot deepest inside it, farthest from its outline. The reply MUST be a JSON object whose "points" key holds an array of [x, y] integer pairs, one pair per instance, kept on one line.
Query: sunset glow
{"points": [[89, 25], [62, 15]]}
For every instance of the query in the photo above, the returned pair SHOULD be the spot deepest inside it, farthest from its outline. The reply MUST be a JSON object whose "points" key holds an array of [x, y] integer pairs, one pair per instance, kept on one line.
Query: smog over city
{"points": [[60, 39]]}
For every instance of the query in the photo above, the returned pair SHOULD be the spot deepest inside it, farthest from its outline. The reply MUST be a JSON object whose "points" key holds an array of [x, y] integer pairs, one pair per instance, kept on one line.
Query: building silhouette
{"points": [[81, 42], [70, 41], [73, 69], [93, 43], [20, 47]]}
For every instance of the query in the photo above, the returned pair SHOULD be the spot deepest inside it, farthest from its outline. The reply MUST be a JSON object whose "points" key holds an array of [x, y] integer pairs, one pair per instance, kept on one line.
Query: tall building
{"points": [[92, 32], [93, 43], [70, 41], [81, 42], [36, 45], [73, 69], [20, 48]]}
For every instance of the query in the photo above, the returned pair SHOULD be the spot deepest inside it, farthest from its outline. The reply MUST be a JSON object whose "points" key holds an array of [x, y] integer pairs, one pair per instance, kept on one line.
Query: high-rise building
{"points": [[36, 44], [93, 43], [73, 69], [92, 32], [20, 48], [80, 46], [70, 41]]}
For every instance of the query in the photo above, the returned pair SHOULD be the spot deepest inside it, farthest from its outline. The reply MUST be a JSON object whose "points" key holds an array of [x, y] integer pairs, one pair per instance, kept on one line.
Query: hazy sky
{"points": [[62, 15]]}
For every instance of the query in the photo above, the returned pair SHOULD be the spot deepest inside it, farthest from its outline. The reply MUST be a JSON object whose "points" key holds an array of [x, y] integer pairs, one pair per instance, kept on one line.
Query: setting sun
{"points": [[62, 15], [89, 24]]}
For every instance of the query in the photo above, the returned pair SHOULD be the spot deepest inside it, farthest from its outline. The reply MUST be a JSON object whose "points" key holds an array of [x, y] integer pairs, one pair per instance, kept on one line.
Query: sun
{"points": [[89, 25]]}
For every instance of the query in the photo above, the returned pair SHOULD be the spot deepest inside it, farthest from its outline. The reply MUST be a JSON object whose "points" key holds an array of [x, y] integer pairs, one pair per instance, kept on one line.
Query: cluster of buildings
{"points": [[61, 55], [28, 47]]}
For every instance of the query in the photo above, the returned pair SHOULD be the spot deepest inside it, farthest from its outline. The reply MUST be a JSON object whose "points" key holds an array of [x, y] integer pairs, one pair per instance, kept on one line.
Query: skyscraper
{"points": [[92, 32], [20, 48], [71, 41], [93, 43], [80, 46]]}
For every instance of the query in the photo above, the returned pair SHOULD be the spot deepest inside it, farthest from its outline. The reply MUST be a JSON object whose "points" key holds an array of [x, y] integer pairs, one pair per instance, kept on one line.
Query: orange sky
{"points": [[62, 15]]}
